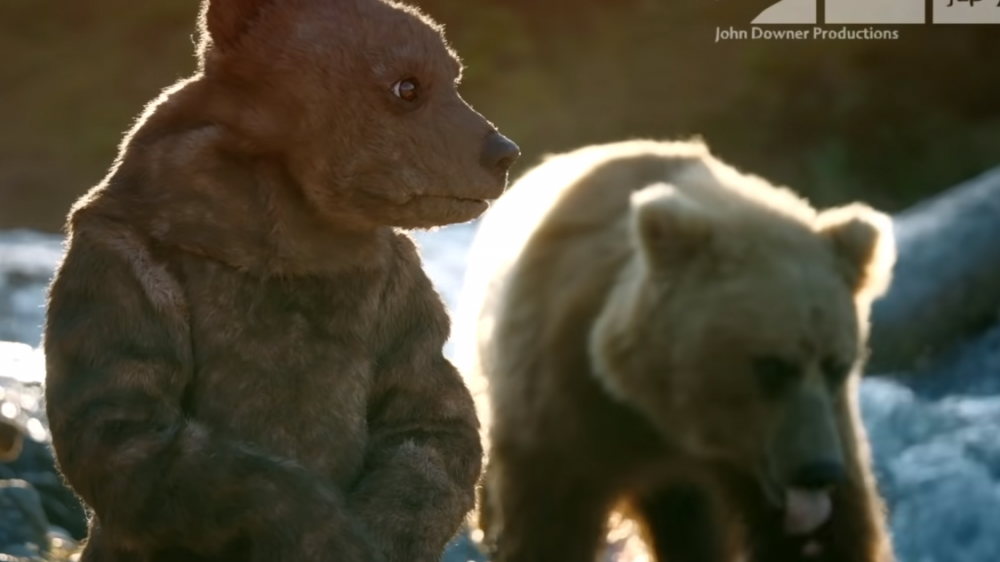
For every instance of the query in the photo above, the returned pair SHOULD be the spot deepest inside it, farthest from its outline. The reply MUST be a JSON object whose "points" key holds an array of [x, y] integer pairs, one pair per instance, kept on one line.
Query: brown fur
{"points": [[616, 300], [244, 355]]}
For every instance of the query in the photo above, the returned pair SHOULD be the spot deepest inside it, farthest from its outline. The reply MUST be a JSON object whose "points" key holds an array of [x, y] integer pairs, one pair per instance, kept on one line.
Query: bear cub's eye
{"points": [[407, 89], [775, 374]]}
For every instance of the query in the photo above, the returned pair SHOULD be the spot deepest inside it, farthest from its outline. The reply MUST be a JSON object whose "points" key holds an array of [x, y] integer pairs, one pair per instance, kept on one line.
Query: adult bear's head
{"points": [[739, 328]]}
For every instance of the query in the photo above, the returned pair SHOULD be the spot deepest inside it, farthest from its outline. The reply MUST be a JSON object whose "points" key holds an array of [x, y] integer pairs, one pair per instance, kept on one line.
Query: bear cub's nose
{"points": [[499, 153], [819, 475]]}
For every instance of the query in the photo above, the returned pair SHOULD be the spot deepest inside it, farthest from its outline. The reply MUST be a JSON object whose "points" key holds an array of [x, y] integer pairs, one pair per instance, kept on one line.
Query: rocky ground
{"points": [[936, 440]]}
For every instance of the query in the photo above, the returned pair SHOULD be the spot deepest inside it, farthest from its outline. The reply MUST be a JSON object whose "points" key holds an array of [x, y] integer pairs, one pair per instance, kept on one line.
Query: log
{"points": [[946, 282]]}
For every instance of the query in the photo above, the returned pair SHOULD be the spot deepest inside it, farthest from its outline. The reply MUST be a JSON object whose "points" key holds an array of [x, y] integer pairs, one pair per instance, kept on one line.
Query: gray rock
{"points": [[27, 262], [462, 549], [21, 401], [23, 526], [937, 455]]}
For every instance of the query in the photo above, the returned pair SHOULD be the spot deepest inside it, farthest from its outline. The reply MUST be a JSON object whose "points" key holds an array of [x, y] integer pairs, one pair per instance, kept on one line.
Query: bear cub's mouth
{"points": [[456, 198], [468, 204]]}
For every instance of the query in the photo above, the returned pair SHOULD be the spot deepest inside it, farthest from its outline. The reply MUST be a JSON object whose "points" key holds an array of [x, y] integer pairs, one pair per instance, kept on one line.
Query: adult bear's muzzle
{"points": [[806, 457]]}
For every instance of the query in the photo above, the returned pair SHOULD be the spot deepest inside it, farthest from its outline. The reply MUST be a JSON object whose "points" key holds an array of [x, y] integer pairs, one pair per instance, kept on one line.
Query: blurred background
{"points": [[889, 121]]}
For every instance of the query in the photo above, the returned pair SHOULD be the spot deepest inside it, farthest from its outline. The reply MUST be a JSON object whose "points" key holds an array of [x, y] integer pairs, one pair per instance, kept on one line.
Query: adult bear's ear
{"points": [[669, 227], [226, 20], [863, 242]]}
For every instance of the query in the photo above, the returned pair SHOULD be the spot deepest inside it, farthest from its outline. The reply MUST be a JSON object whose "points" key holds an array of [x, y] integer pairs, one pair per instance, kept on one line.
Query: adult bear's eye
{"points": [[775, 374], [836, 372], [407, 89]]}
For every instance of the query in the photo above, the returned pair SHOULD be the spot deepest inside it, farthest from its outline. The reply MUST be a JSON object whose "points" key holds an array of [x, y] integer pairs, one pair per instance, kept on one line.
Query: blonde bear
{"points": [[652, 332]]}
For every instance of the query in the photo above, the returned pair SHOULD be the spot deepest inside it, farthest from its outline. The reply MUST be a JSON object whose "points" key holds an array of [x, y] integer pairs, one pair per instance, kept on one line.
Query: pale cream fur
{"points": [[579, 272]]}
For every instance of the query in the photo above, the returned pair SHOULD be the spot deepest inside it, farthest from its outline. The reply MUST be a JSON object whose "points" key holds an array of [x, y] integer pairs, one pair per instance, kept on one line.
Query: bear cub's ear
{"points": [[226, 20], [670, 228], [863, 241]]}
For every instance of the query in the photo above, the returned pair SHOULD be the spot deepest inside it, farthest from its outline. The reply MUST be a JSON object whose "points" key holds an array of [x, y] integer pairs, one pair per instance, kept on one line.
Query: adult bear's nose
{"points": [[819, 475], [499, 153]]}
